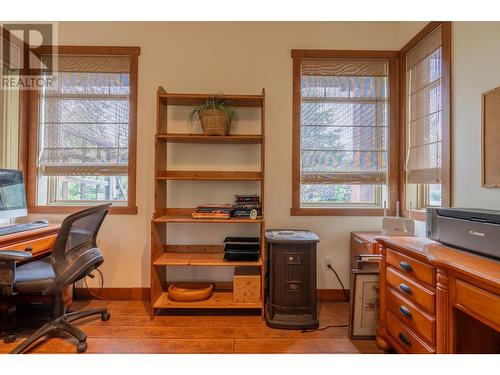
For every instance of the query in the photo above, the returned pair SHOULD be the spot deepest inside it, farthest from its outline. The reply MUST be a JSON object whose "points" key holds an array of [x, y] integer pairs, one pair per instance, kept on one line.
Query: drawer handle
{"points": [[28, 249], [405, 288], [404, 310], [404, 338], [406, 266]]}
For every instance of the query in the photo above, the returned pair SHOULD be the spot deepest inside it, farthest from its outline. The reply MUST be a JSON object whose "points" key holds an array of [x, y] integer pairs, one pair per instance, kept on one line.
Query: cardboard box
{"points": [[246, 285]]}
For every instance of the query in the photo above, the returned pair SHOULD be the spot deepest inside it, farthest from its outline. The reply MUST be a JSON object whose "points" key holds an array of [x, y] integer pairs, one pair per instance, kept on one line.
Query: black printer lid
{"points": [[472, 214]]}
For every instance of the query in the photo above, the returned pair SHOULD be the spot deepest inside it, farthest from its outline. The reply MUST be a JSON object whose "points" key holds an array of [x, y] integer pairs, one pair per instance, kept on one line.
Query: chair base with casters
{"points": [[61, 322], [21, 316], [11, 334]]}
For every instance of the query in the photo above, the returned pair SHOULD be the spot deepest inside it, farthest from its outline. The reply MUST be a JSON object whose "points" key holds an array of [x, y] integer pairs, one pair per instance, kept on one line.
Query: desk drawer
{"points": [[411, 290], [480, 301], [411, 316], [37, 245], [411, 267], [405, 337]]}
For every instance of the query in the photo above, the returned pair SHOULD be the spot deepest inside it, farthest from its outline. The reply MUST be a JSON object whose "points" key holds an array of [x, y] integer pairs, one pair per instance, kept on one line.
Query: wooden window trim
{"points": [[446, 115], [393, 173], [32, 132], [24, 95]]}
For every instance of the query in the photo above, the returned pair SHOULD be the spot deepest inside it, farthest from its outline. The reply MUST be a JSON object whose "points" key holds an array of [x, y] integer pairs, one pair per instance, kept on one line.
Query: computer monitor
{"points": [[12, 194]]}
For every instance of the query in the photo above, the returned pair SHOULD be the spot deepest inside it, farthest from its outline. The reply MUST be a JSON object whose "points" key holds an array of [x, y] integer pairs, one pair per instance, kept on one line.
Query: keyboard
{"points": [[9, 229]]}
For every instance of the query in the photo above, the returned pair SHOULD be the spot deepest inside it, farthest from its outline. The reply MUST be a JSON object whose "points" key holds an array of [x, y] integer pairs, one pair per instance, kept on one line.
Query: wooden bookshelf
{"points": [[163, 254]]}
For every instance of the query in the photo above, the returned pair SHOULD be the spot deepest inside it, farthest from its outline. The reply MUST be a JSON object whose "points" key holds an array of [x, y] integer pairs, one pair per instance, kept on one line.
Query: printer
{"points": [[471, 229]]}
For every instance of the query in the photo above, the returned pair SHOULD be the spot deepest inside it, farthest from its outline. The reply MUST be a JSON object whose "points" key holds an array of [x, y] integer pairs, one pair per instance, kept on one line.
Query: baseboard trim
{"points": [[332, 295], [114, 294], [120, 294]]}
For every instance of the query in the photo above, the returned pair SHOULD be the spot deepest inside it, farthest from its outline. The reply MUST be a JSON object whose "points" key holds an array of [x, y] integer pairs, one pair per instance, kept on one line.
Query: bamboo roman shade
{"points": [[343, 121], [424, 130], [84, 121]]}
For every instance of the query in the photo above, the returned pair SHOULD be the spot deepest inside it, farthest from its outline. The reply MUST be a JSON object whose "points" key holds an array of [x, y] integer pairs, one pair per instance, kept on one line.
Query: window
{"points": [[86, 130], [426, 102], [342, 120]]}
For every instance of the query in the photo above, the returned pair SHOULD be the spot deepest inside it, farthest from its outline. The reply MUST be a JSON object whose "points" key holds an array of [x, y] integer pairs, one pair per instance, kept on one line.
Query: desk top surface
{"points": [[476, 266], [369, 236], [29, 234]]}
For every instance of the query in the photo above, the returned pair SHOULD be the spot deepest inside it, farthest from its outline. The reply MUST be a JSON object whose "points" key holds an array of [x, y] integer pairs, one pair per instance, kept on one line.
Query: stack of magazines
{"points": [[213, 211], [245, 204], [241, 249]]}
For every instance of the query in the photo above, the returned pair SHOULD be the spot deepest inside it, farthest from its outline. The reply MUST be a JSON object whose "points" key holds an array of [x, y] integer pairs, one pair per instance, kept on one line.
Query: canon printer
{"points": [[470, 229]]}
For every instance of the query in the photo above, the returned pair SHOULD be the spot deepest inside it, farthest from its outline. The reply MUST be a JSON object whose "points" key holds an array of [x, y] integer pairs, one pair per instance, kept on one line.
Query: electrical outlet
{"points": [[328, 262]]}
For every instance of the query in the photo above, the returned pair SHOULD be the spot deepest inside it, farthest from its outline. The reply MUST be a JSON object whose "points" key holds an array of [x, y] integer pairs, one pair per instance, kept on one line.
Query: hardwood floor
{"points": [[131, 330]]}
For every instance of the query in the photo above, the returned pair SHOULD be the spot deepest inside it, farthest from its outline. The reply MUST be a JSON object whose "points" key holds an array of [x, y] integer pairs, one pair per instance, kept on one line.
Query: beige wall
{"points": [[244, 58], [476, 69], [230, 58]]}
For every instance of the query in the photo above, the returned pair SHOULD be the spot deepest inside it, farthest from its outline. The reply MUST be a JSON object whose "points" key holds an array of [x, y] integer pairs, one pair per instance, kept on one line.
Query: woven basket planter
{"points": [[214, 122]]}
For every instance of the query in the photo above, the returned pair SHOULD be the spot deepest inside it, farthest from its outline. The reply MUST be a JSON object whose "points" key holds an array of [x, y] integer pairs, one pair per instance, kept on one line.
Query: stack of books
{"points": [[245, 204], [213, 211]]}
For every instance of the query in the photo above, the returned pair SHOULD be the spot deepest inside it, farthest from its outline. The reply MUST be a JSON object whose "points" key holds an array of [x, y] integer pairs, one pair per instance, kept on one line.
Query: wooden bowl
{"points": [[190, 292]]}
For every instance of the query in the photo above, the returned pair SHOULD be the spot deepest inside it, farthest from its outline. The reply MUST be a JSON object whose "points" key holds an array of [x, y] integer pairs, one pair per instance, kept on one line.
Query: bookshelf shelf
{"points": [[190, 259], [210, 175], [256, 101], [201, 138], [219, 300], [186, 218], [163, 254]]}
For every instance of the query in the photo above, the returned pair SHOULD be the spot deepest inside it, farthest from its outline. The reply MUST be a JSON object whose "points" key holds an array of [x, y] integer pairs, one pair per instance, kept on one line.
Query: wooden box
{"points": [[246, 285]]}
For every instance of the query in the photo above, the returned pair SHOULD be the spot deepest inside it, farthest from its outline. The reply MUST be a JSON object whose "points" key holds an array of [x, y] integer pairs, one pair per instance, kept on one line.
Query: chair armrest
{"points": [[14, 255], [8, 259]]}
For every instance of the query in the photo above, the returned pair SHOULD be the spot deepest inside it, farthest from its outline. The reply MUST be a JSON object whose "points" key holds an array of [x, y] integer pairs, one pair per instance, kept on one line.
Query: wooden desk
{"points": [[37, 241], [437, 299]]}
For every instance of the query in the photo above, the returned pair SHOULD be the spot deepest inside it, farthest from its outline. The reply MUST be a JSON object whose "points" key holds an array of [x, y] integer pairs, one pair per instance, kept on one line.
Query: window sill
{"points": [[362, 211], [116, 210]]}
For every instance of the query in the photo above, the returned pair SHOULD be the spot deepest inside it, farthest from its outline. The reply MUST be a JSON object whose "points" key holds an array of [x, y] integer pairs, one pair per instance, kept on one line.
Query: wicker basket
{"points": [[214, 122]]}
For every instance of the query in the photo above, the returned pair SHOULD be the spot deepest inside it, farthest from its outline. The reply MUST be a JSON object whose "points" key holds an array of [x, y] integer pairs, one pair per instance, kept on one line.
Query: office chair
{"points": [[74, 256]]}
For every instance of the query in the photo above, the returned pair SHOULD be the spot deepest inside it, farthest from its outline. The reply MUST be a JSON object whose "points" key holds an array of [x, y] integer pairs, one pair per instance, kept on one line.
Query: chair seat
{"points": [[34, 277]]}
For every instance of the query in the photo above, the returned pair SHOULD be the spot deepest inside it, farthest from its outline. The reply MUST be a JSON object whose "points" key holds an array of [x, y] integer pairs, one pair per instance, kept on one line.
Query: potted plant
{"points": [[216, 116]]}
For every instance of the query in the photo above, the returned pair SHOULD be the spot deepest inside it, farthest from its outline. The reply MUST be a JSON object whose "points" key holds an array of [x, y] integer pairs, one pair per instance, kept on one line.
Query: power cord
{"points": [[346, 298], [102, 284], [340, 281], [323, 328]]}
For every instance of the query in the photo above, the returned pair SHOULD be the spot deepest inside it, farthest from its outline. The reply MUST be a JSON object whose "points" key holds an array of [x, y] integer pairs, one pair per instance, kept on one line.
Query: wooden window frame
{"points": [[32, 133], [446, 197], [24, 95], [392, 170]]}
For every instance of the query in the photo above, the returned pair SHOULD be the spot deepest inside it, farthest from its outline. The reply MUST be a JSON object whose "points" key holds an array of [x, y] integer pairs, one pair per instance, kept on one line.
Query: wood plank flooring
{"points": [[131, 330]]}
